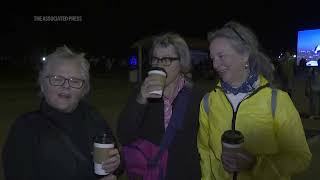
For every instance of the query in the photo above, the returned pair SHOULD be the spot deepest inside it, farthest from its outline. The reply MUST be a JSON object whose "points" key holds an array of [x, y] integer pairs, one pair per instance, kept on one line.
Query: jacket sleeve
{"points": [[130, 119], [203, 144], [19, 153], [293, 154]]}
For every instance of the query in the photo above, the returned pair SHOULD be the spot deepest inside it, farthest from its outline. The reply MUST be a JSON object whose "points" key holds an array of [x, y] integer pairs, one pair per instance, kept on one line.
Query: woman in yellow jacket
{"points": [[275, 146]]}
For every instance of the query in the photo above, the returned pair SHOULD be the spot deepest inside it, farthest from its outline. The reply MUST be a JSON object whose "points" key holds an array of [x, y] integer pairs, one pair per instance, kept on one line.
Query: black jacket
{"points": [[147, 122], [35, 151]]}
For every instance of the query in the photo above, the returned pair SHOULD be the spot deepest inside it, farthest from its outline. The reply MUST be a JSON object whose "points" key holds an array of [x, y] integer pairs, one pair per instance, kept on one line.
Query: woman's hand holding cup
{"points": [[106, 157], [113, 161], [109, 177], [153, 85], [241, 160], [234, 157]]}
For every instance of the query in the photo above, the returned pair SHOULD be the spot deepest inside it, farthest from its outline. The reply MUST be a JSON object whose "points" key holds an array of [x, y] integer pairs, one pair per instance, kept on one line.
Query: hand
{"points": [[238, 161], [151, 83], [109, 177], [113, 162]]}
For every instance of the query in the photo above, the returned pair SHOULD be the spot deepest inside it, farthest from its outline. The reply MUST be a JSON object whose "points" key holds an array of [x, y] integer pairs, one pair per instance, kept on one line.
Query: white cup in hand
{"points": [[102, 145], [160, 75]]}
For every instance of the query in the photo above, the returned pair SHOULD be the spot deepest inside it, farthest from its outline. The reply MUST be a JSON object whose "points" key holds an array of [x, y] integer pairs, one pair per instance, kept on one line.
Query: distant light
{"points": [[294, 56], [133, 61], [312, 63], [43, 59]]}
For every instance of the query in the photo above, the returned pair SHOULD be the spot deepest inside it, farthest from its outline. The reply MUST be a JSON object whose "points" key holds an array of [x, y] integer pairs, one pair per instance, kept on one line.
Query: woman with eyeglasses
{"points": [[144, 121], [56, 141], [273, 144]]}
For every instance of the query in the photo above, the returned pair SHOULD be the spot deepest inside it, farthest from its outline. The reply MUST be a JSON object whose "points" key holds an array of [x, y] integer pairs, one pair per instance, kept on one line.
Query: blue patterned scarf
{"points": [[246, 87]]}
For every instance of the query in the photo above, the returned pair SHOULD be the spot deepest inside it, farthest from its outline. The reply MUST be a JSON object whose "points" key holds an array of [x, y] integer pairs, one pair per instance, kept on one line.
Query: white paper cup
{"points": [[161, 75], [100, 154], [232, 141], [102, 145]]}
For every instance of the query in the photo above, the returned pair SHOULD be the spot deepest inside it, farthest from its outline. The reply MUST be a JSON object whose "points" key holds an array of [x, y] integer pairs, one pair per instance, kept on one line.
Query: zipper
{"points": [[234, 114]]}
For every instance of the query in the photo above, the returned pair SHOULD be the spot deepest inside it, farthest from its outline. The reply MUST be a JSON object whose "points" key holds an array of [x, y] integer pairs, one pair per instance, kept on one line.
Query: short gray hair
{"points": [[62, 54], [180, 46], [243, 40]]}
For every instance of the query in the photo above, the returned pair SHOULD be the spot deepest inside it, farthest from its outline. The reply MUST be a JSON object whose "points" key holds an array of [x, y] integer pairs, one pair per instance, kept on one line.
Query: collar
{"points": [[248, 86], [180, 84], [66, 121]]}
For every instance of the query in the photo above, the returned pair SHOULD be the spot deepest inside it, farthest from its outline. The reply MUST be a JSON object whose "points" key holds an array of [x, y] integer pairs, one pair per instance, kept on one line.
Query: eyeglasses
{"points": [[165, 61], [60, 80]]}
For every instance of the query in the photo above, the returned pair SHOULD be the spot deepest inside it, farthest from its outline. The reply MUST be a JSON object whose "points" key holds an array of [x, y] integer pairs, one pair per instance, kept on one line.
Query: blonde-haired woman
{"points": [[275, 145], [56, 141]]}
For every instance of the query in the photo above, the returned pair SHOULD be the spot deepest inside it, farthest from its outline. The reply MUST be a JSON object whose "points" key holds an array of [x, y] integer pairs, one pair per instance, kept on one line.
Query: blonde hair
{"points": [[180, 46], [243, 40], [62, 54]]}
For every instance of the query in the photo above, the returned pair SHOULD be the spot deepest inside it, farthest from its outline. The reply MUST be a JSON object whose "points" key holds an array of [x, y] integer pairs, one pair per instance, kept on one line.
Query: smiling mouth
{"points": [[222, 71]]}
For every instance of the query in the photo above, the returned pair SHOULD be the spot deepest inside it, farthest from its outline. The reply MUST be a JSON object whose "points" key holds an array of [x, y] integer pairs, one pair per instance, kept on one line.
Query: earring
{"points": [[246, 66]]}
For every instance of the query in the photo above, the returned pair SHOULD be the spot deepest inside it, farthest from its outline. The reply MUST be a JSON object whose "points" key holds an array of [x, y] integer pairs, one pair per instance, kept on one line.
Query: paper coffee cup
{"points": [[161, 75], [101, 147], [232, 140]]}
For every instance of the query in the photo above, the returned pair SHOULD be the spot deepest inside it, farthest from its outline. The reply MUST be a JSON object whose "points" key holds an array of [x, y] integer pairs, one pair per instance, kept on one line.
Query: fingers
{"points": [[237, 161], [246, 160], [113, 162], [109, 177], [245, 156], [229, 162], [228, 168], [151, 81], [151, 84], [111, 166], [113, 152]]}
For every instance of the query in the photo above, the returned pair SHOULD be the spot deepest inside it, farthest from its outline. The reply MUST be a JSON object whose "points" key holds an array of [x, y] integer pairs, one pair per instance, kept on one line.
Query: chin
{"points": [[65, 108], [225, 79]]}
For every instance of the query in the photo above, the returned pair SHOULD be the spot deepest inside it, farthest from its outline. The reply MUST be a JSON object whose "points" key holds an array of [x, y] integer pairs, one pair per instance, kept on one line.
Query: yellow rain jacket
{"points": [[278, 143]]}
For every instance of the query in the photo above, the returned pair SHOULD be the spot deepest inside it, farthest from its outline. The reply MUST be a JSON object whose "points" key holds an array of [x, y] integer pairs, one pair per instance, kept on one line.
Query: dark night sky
{"points": [[109, 27]]}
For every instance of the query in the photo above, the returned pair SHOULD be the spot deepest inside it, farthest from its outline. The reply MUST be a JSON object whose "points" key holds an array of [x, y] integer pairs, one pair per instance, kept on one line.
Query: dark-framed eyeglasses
{"points": [[165, 61], [60, 80]]}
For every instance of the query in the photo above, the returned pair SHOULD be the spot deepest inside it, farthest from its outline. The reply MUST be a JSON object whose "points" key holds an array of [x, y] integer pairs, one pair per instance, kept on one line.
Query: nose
{"points": [[66, 84]]}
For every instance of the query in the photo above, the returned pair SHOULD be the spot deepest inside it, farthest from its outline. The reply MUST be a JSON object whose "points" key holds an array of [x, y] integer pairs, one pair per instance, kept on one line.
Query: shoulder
{"points": [[281, 94], [284, 99], [25, 127], [217, 91], [28, 120]]}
